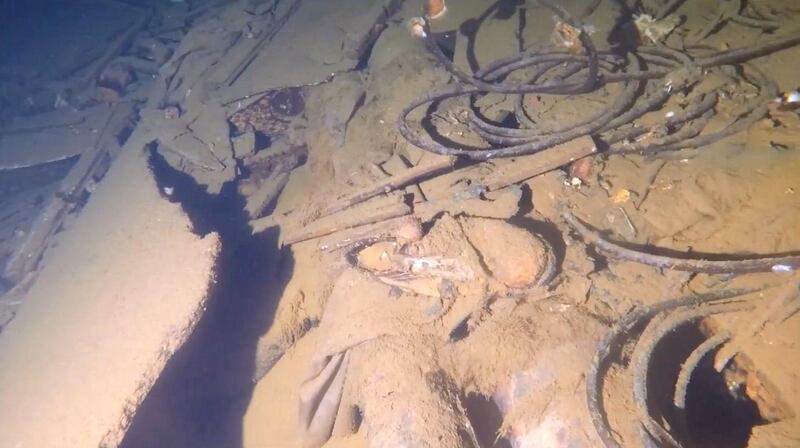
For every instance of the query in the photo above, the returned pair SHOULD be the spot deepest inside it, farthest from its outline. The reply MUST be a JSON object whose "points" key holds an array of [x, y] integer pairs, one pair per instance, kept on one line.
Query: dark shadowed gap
{"points": [[714, 418], [202, 395], [486, 420]]}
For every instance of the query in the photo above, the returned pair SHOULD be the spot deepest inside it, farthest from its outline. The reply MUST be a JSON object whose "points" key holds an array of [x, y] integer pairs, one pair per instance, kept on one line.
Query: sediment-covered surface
{"points": [[121, 290], [511, 224]]}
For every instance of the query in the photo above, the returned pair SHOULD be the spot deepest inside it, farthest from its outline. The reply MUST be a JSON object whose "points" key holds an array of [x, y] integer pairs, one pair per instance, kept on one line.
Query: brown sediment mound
{"points": [[408, 399], [530, 360], [514, 256]]}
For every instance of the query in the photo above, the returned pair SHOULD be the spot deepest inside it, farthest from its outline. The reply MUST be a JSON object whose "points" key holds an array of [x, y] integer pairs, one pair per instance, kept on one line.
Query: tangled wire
{"points": [[646, 79]]}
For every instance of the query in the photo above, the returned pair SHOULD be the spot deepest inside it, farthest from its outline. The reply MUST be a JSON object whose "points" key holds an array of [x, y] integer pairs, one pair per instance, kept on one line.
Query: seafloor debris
{"points": [[719, 264], [269, 174], [617, 127], [439, 279], [654, 31], [434, 271], [435, 9], [117, 77], [272, 114], [614, 124], [659, 321], [788, 100], [367, 213], [567, 36], [514, 256], [108, 96], [411, 176]]}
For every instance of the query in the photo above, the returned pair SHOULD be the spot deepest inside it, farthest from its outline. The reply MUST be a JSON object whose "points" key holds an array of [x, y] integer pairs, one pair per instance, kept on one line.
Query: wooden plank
{"points": [[26, 257], [512, 171], [118, 294]]}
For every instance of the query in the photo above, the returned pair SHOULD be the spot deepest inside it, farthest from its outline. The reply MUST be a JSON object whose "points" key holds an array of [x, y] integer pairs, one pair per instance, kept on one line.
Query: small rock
{"points": [[581, 169]]}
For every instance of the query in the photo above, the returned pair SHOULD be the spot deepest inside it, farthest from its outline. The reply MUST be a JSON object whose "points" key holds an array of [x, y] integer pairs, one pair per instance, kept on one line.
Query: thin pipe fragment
{"points": [[691, 363], [772, 263]]}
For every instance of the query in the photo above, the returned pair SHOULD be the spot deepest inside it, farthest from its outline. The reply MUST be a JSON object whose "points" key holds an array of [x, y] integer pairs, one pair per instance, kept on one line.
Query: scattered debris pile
{"points": [[441, 252], [509, 123]]}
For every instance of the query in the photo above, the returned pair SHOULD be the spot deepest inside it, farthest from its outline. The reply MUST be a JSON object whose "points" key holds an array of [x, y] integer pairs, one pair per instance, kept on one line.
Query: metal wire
{"points": [[600, 362], [561, 73], [643, 354], [691, 363]]}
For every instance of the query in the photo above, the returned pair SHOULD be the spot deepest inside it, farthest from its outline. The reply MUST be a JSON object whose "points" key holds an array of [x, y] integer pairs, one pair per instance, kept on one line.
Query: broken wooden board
{"points": [[511, 171], [315, 42], [50, 137], [50, 219], [117, 296]]}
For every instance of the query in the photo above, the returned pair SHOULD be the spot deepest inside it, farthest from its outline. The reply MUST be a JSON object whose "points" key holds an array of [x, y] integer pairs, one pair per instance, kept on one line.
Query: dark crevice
{"points": [[521, 25], [600, 261], [526, 205], [460, 331], [714, 417], [486, 420], [201, 397], [262, 141], [447, 42], [363, 60]]}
